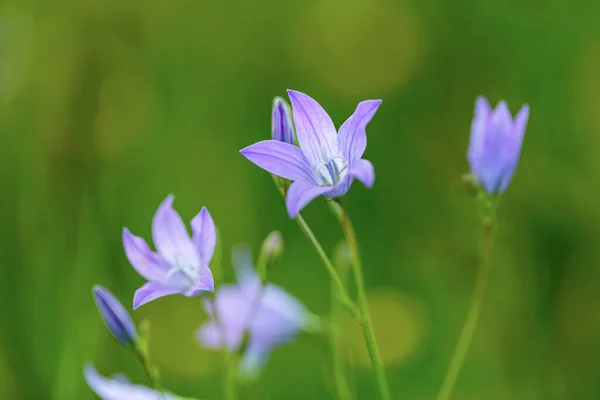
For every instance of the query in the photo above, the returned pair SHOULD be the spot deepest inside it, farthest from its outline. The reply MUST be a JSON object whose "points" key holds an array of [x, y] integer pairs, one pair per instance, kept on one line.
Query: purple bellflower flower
{"points": [[267, 316], [327, 161], [119, 388], [495, 145], [181, 263], [116, 318]]}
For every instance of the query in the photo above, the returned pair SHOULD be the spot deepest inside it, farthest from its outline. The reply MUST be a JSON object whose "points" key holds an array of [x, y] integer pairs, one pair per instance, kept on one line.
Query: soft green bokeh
{"points": [[107, 106]]}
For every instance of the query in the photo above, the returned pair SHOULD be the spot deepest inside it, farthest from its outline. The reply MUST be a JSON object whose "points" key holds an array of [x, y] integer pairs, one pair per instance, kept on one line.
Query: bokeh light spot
{"points": [[400, 328], [358, 47]]}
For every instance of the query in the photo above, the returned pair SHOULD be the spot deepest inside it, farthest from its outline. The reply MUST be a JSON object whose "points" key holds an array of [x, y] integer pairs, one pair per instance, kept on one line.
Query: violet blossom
{"points": [[266, 315], [181, 263], [326, 162]]}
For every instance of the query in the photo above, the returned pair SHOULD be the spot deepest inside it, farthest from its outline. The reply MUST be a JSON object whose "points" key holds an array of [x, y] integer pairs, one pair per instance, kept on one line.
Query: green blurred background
{"points": [[108, 106]]}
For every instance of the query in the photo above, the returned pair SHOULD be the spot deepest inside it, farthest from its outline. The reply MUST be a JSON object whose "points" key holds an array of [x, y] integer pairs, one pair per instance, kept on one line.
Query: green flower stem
{"points": [[343, 296], [470, 325], [342, 215], [229, 383], [143, 353], [335, 314]]}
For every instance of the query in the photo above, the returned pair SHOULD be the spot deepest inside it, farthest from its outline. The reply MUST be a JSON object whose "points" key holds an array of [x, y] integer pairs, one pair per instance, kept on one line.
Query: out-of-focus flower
{"points": [[326, 162], [267, 316], [120, 388], [180, 265], [495, 145], [281, 122], [117, 319]]}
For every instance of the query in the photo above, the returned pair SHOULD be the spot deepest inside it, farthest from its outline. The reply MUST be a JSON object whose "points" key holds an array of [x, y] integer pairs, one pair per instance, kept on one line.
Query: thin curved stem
{"points": [[341, 290], [141, 349], [378, 368], [342, 293], [339, 365], [468, 330], [229, 383]]}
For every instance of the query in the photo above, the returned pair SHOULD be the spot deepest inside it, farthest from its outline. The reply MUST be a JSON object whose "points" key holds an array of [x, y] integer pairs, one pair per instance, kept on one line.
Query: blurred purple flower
{"points": [[119, 388], [281, 122], [181, 263], [116, 318], [326, 162], [266, 315], [495, 145]]}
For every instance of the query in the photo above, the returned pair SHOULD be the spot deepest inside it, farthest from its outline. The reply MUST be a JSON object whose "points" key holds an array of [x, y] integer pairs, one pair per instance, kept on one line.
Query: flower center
{"points": [[332, 170], [182, 265]]}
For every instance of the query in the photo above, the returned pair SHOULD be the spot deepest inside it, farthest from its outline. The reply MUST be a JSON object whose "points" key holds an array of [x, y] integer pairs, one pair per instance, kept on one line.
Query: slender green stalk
{"points": [[335, 314], [142, 351], [336, 281], [470, 325], [343, 296], [229, 383], [367, 325]]}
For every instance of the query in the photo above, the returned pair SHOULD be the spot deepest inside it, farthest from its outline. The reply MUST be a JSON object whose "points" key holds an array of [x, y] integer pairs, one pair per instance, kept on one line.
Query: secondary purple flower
{"points": [[116, 318], [495, 145], [180, 265], [120, 388], [266, 315], [327, 161], [281, 122]]}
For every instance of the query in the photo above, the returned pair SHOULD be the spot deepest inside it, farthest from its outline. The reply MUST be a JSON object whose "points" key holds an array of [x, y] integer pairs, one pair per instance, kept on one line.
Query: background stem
{"points": [[339, 365], [367, 325], [470, 325]]}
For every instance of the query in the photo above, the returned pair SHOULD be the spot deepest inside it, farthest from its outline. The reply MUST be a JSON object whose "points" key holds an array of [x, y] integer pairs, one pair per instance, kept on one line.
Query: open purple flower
{"points": [[119, 388], [181, 264], [327, 161], [266, 315], [495, 145]]}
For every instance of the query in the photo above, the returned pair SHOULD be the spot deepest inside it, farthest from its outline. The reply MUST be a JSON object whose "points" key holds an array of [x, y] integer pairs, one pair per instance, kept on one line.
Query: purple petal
{"points": [[478, 130], [281, 122], [314, 129], [281, 159], [301, 193], [233, 306], [204, 235], [117, 389], [512, 148], [171, 237], [353, 135], [204, 284], [254, 360], [151, 291], [147, 263], [209, 335], [363, 171], [520, 124], [245, 273], [280, 318]]}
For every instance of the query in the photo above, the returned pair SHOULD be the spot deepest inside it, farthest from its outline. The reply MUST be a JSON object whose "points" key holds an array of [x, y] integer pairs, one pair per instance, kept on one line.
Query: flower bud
{"points": [[116, 318], [495, 145], [281, 122], [272, 247]]}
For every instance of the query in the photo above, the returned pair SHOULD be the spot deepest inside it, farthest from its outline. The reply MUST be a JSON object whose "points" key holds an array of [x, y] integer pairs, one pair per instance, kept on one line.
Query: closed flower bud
{"points": [[272, 247], [495, 145], [116, 318], [281, 122]]}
